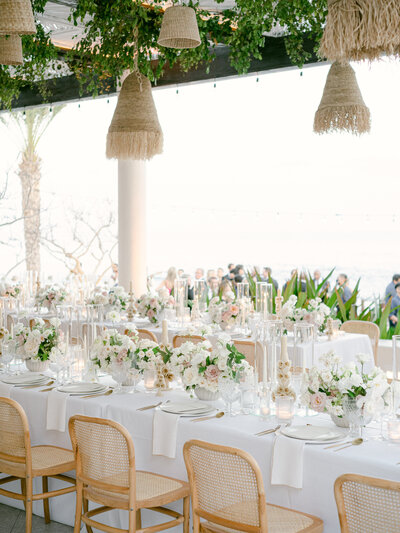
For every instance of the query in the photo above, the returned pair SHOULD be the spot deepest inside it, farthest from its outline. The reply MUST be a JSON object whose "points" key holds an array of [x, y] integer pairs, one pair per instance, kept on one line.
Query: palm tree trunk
{"points": [[29, 174]]}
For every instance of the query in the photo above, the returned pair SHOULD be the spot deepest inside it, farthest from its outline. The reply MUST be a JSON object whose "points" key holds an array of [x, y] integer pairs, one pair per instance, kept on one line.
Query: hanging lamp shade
{"points": [[16, 17], [361, 29], [342, 107], [11, 50], [134, 132], [179, 28]]}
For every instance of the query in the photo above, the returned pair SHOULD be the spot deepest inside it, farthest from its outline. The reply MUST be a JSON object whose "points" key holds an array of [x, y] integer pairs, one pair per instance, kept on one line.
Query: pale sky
{"points": [[242, 178]]}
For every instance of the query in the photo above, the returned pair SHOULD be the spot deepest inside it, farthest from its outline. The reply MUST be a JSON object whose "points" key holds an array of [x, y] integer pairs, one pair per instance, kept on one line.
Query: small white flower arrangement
{"points": [[113, 316], [50, 296], [201, 329], [201, 366], [42, 342], [150, 306], [112, 347], [316, 313], [11, 291], [326, 386], [118, 297], [223, 313], [98, 297]]}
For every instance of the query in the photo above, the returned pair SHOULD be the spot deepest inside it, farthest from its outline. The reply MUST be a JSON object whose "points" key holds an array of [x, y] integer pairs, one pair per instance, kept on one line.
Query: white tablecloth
{"points": [[321, 467]]}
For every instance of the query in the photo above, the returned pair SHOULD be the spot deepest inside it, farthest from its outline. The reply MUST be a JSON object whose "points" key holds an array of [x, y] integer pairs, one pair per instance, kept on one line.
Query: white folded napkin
{"points": [[287, 462], [165, 428], [56, 410], [5, 390]]}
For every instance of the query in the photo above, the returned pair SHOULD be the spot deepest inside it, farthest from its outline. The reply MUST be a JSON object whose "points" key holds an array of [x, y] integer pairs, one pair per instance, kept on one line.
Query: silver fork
{"points": [[267, 431]]}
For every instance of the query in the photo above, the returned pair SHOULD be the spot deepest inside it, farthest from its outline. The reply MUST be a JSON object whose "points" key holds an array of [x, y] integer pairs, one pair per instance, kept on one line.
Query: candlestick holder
{"points": [[131, 309]]}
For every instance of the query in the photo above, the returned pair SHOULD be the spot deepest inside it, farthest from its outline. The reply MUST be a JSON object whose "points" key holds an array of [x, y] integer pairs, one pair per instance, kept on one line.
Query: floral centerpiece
{"points": [[99, 297], [327, 386], [112, 347], [51, 296], [223, 313], [39, 344], [316, 313], [150, 305], [11, 291], [201, 367], [118, 297], [201, 329]]}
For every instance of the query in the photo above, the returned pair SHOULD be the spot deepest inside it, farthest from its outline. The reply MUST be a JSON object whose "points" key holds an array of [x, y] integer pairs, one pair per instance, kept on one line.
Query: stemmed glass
{"points": [[119, 372], [230, 392], [7, 354]]}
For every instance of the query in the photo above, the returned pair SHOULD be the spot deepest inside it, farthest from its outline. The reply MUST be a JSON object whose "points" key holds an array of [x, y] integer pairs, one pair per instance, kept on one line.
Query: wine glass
{"points": [[119, 374], [230, 392], [7, 354]]}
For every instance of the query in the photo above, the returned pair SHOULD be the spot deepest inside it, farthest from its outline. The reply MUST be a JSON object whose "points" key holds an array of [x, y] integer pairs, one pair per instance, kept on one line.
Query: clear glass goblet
{"points": [[119, 373], [230, 392], [355, 417], [7, 354]]}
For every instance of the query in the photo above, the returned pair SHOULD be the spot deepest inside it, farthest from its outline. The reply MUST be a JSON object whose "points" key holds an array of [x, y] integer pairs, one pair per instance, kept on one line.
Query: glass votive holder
{"points": [[393, 430], [284, 409], [149, 380]]}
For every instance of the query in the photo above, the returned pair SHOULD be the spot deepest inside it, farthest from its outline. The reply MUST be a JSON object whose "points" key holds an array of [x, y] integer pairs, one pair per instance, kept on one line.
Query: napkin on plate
{"points": [[165, 428], [5, 390], [56, 410], [287, 462]]}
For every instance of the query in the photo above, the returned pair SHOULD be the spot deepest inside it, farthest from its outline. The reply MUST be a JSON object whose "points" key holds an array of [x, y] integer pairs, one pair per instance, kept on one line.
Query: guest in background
{"points": [[168, 282], [395, 303], [199, 274], [391, 288], [317, 278], [231, 273], [190, 286], [180, 272], [226, 290], [220, 274], [211, 274], [239, 270], [343, 283], [213, 287], [238, 279], [266, 276]]}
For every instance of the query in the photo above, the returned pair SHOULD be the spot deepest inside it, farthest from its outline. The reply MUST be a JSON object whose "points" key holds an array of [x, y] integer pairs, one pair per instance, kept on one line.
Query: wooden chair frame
{"points": [[27, 495], [238, 343], [360, 326], [32, 322], [363, 480], [196, 339], [133, 507], [145, 334], [198, 513]]}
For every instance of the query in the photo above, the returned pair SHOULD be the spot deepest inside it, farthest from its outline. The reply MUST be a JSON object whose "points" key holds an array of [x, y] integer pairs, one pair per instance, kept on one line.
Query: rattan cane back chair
{"points": [[365, 328], [144, 334], [227, 490], [32, 322], [367, 504], [178, 340], [18, 460], [248, 349], [105, 474]]}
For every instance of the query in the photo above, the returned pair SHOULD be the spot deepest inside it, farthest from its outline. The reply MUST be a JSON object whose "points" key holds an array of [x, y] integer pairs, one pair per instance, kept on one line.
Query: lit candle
{"points": [[284, 408], [393, 430], [284, 352], [164, 332], [149, 379]]}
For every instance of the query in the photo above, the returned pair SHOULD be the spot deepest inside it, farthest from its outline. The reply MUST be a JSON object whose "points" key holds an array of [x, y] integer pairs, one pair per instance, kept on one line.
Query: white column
{"points": [[132, 225]]}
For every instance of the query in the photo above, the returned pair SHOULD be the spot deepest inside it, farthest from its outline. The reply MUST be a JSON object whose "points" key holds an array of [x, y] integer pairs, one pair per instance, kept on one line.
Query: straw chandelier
{"points": [[361, 29], [179, 28], [16, 17], [135, 132], [10, 50], [342, 107]]}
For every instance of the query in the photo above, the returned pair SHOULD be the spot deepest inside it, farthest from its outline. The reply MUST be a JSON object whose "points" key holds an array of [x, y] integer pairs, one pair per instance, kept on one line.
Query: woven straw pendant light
{"points": [[361, 29], [179, 28], [134, 132], [342, 107], [16, 17], [11, 50]]}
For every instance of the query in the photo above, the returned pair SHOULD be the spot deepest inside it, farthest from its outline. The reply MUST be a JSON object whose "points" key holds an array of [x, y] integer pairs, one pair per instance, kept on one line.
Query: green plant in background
{"points": [[121, 34]]}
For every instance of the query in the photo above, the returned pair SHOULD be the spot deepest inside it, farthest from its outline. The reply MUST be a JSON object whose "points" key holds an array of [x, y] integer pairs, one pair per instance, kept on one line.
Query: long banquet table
{"points": [[321, 467]]}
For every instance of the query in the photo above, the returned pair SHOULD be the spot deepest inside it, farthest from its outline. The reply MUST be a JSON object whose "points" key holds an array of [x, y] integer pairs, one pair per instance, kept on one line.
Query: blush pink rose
{"points": [[212, 373], [226, 316], [153, 302], [234, 309], [318, 402], [150, 313]]}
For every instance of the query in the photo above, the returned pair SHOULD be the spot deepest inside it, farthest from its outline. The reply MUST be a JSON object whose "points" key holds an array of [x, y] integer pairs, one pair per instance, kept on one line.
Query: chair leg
{"points": [[132, 521], [46, 505], [78, 510], [28, 506], [138, 519], [23, 489], [85, 510], [186, 514]]}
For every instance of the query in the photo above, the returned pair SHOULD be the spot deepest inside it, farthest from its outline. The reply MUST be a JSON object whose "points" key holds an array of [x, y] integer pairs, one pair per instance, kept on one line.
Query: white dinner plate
{"points": [[188, 408], [25, 379], [82, 388], [313, 433]]}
